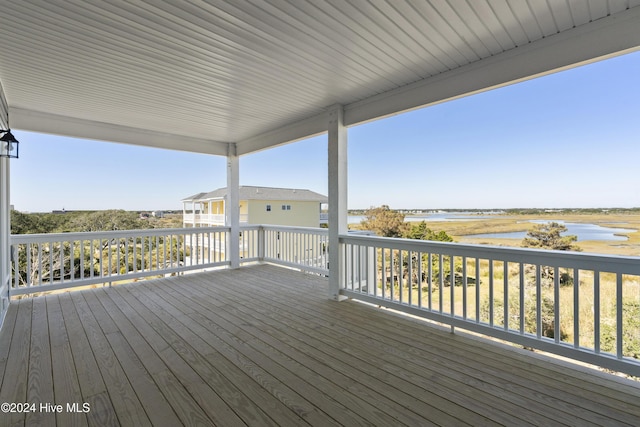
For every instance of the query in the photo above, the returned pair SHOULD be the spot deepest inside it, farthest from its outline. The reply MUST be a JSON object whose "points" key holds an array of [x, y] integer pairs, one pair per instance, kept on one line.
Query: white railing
{"points": [[298, 247], [583, 306], [44, 262], [251, 243]]}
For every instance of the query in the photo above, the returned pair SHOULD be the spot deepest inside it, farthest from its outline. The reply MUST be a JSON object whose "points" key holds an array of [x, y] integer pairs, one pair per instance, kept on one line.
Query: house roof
{"points": [[200, 76], [263, 193], [194, 197]]}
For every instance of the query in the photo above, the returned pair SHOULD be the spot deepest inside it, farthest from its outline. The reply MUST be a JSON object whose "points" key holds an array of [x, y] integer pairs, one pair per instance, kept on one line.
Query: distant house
{"points": [[258, 205]]}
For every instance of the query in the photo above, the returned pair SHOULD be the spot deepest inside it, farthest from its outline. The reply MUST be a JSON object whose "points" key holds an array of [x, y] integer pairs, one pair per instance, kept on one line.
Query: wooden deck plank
{"points": [[571, 399], [203, 344], [330, 405], [357, 316], [207, 336], [204, 316], [576, 401], [471, 377], [174, 393], [126, 404], [156, 406], [184, 340], [92, 386], [264, 345], [269, 383], [65, 378], [206, 397], [552, 394], [369, 361], [40, 380], [352, 393], [6, 337], [14, 384]]}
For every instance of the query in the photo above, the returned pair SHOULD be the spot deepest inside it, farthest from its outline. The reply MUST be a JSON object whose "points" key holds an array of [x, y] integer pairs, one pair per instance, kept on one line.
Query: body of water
{"points": [[582, 231], [431, 217]]}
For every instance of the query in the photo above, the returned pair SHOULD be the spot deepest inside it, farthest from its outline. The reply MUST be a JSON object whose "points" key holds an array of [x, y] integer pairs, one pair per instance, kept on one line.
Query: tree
{"points": [[384, 222], [420, 231], [548, 236], [35, 223], [108, 220]]}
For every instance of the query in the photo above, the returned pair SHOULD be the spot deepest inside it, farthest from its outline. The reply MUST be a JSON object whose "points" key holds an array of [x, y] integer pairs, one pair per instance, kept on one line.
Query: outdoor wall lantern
{"points": [[8, 145]]}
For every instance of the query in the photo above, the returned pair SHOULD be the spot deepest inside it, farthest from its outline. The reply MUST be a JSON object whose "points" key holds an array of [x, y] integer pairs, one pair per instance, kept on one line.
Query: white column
{"points": [[232, 206], [5, 232], [337, 146]]}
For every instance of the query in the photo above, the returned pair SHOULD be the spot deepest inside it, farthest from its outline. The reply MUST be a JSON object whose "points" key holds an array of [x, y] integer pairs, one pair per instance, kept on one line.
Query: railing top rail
{"points": [[310, 230], [552, 258], [57, 237], [250, 227]]}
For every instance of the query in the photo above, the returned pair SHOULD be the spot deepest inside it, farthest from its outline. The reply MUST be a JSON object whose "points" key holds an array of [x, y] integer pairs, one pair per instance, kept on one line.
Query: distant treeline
{"points": [[79, 221], [515, 211], [537, 211]]}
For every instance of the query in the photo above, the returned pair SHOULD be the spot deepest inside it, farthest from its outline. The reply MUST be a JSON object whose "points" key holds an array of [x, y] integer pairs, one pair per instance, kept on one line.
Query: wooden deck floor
{"points": [[263, 346]]}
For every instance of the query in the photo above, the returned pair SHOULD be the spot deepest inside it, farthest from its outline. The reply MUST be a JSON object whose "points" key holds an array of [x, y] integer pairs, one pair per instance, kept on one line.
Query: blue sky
{"points": [[571, 139]]}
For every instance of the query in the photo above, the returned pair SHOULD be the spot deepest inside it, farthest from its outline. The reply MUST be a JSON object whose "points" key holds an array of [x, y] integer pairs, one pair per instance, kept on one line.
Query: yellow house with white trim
{"points": [[258, 205]]}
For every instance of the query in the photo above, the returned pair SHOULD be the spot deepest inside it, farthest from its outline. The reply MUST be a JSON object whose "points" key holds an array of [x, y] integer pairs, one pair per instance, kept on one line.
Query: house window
{"points": [[286, 207], [268, 208]]}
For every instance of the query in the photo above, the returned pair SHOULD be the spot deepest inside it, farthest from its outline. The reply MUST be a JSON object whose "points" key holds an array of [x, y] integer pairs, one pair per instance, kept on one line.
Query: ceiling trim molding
{"points": [[36, 121]]}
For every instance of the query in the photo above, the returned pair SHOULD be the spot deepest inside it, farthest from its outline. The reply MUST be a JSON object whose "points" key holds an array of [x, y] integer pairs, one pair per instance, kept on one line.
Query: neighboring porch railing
{"points": [[209, 219], [582, 306]]}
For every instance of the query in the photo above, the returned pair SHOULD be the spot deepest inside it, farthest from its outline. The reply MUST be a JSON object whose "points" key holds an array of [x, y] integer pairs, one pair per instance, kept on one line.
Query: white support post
{"points": [[261, 244], [5, 237], [337, 146], [5, 216], [232, 206]]}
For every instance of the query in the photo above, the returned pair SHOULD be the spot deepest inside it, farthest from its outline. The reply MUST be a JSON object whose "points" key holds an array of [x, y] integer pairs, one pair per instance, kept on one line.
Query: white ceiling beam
{"points": [[306, 128], [36, 121], [606, 37]]}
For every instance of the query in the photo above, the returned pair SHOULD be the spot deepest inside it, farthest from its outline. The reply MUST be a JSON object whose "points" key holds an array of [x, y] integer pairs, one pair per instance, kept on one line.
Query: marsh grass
{"points": [[463, 231], [440, 300], [496, 282], [493, 281]]}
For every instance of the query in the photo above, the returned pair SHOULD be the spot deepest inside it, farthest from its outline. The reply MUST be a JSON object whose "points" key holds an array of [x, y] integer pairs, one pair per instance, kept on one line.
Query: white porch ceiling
{"points": [[195, 76]]}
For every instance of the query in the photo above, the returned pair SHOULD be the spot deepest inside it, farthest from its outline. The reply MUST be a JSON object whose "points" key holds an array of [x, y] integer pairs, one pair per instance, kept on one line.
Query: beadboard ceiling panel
{"points": [[197, 75]]}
